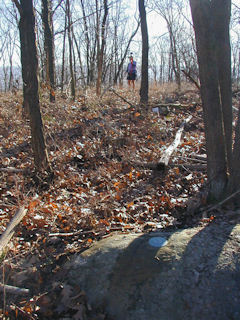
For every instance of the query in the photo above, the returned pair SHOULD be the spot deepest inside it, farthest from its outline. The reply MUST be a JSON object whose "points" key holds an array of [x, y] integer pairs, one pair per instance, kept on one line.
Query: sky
{"points": [[156, 27], [156, 24]]}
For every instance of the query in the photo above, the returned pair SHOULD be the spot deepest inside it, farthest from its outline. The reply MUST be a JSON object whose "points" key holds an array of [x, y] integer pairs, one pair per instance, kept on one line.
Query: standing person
{"points": [[132, 72]]}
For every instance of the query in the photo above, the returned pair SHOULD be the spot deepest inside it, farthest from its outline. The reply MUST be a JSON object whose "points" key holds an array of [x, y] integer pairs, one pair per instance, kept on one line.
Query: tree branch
{"points": [[18, 5], [187, 74], [58, 5]]}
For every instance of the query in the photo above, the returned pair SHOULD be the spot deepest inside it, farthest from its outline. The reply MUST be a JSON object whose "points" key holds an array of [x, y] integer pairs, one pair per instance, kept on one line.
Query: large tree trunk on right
{"points": [[221, 20], [30, 83], [211, 81], [234, 181]]}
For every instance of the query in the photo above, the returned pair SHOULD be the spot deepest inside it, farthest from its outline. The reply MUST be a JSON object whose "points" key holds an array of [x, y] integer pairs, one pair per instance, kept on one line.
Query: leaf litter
{"points": [[96, 147]]}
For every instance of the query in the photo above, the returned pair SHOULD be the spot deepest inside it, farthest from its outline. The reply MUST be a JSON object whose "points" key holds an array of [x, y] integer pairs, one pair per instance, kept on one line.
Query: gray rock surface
{"points": [[195, 276]]}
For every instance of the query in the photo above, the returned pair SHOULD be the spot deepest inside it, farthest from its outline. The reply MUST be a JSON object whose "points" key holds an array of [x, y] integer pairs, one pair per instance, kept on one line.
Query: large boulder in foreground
{"points": [[195, 275]]}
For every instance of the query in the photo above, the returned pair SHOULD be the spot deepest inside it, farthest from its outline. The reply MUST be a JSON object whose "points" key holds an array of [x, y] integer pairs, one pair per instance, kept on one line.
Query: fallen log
{"points": [[155, 166], [171, 105], [165, 108], [195, 159], [8, 233], [70, 234], [13, 290], [201, 157], [191, 167], [11, 170], [167, 154]]}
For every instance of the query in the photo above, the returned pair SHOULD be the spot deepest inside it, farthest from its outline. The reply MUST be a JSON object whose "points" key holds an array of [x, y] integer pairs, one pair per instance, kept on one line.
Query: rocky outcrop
{"points": [[194, 276]]}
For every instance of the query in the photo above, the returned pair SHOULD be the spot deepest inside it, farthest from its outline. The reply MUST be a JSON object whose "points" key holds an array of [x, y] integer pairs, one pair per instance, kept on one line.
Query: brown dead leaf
{"points": [[33, 204]]}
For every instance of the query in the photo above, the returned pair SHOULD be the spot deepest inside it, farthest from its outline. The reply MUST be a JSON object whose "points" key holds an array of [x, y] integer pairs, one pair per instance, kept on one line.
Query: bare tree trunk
{"points": [[92, 64], [73, 88], [221, 21], [63, 54], [170, 70], [87, 42], [30, 82], [49, 46], [10, 81], [101, 48], [175, 60], [80, 59], [41, 59], [145, 48]]}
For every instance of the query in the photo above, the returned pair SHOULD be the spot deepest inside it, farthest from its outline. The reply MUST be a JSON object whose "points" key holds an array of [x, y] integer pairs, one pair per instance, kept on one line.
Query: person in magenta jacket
{"points": [[131, 72]]}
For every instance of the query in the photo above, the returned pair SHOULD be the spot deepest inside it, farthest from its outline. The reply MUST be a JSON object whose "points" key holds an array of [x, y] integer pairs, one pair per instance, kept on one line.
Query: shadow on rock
{"points": [[196, 275]]}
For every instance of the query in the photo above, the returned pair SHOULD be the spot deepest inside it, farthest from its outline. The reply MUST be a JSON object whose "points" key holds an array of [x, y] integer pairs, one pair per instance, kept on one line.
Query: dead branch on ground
{"points": [[13, 290], [121, 97], [167, 154], [11, 170], [219, 204], [8, 233], [155, 166]]}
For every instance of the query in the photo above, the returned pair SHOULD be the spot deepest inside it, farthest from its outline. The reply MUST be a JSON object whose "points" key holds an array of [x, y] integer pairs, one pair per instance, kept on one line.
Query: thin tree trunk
{"points": [[101, 48], [87, 41], [175, 61], [63, 54], [145, 48], [73, 88], [10, 82], [92, 66], [49, 46], [80, 59]]}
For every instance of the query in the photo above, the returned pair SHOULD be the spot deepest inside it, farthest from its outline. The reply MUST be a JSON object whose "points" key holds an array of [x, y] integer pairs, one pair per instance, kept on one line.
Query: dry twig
{"points": [[222, 202], [125, 100], [8, 233]]}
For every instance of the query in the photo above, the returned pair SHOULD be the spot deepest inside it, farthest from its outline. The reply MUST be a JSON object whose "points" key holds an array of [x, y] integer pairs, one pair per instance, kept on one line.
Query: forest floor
{"points": [[103, 152]]}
